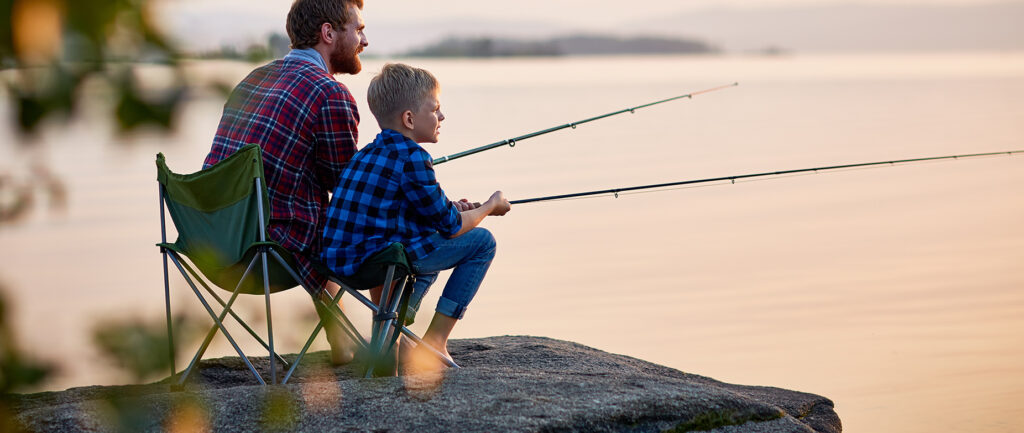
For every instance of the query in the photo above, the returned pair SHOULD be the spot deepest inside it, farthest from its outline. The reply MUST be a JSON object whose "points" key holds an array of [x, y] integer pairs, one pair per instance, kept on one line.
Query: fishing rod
{"points": [[511, 142], [617, 191]]}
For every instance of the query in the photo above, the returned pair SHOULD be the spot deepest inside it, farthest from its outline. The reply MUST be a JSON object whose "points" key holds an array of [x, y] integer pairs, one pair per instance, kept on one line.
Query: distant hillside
{"points": [[853, 27], [561, 46], [810, 26]]}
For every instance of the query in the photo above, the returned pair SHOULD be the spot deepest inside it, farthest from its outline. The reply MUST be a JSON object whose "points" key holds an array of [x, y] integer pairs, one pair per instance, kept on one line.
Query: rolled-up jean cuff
{"points": [[414, 302], [450, 308]]}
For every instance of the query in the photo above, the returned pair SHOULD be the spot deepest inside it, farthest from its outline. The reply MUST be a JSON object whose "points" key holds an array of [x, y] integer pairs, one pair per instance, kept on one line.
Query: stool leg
{"points": [[377, 336], [392, 325]]}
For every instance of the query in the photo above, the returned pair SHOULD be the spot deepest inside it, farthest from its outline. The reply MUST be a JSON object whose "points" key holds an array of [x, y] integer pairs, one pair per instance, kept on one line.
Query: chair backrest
{"points": [[216, 214]]}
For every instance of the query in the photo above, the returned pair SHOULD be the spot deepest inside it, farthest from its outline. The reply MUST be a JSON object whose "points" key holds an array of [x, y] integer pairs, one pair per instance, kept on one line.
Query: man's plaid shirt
{"points": [[305, 122], [387, 194]]}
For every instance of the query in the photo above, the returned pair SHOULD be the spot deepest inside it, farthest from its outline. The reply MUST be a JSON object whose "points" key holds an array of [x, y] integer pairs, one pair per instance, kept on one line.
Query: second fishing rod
{"points": [[734, 178], [511, 142]]}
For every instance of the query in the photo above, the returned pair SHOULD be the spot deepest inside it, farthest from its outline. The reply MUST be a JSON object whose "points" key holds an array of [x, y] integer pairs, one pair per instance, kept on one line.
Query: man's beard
{"points": [[344, 61]]}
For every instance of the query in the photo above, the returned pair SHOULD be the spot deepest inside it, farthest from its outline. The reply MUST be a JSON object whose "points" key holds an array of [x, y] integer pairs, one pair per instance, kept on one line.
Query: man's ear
{"points": [[327, 33], [407, 119]]}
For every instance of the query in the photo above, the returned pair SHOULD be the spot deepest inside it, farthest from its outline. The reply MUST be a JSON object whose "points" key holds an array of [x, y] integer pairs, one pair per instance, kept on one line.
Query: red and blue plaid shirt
{"points": [[305, 122], [387, 194]]}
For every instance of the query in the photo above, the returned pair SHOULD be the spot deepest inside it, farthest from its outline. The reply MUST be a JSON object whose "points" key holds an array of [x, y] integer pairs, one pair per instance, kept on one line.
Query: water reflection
{"points": [[894, 292]]}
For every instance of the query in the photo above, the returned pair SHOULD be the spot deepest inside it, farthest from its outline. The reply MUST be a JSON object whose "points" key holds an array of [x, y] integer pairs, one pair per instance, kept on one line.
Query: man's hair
{"points": [[306, 17], [399, 87]]}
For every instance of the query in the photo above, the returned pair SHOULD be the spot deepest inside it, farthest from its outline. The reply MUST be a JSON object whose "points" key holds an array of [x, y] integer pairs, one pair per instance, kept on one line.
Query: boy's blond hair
{"points": [[399, 87]]}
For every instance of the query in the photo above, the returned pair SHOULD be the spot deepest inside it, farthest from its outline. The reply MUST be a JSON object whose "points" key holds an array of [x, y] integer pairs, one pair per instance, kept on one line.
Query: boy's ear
{"points": [[407, 119]]}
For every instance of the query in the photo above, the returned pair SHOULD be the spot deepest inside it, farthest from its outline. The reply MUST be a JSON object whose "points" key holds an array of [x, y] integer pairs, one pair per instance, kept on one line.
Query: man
{"points": [[305, 122]]}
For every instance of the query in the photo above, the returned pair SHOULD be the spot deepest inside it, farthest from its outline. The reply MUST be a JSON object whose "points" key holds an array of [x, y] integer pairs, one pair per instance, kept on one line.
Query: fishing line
{"points": [[750, 177], [511, 142], [708, 185], [760, 179]]}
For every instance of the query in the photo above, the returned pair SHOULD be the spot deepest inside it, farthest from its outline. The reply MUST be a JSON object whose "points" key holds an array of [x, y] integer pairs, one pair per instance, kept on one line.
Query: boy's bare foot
{"points": [[421, 359]]}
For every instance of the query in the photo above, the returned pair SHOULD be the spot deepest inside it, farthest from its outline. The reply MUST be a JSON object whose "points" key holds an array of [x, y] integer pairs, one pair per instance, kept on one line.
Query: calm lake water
{"points": [[896, 292]]}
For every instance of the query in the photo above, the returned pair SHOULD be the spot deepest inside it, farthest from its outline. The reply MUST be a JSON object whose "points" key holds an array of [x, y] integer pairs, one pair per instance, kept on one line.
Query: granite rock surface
{"points": [[506, 384]]}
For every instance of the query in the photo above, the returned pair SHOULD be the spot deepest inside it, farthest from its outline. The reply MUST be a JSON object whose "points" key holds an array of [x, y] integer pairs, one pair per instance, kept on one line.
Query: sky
{"points": [[394, 25]]}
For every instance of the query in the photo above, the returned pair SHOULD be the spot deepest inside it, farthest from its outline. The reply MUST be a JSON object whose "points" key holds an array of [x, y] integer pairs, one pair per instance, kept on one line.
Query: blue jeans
{"points": [[470, 255]]}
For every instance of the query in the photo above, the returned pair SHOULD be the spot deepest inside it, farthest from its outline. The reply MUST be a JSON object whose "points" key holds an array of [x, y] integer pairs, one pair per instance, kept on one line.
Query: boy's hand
{"points": [[464, 205], [500, 205]]}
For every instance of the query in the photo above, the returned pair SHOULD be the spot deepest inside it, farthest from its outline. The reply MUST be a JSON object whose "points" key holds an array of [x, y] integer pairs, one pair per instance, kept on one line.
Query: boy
{"points": [[388, 193]]}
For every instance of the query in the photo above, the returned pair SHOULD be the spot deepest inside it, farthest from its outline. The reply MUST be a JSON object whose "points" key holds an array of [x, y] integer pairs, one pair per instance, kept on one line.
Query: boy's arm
{"points": [[424, 195], [420, 187]]}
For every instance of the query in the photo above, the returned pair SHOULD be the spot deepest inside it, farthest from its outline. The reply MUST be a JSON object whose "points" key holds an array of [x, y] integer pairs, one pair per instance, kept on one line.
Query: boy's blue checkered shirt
{"points": [[387, 193]]}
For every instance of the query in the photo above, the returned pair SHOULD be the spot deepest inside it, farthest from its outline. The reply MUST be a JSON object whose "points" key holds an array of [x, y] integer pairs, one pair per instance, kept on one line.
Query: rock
{"points": [[511, 383]]}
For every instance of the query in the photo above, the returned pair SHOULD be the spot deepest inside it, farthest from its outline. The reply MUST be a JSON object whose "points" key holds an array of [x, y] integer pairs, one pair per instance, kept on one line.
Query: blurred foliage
{"points": [[54, 53], [188, 414], [53, 47], [17, 370], [125, 412], [140, 348], [18, 193], [281, 410], [132, 410]]}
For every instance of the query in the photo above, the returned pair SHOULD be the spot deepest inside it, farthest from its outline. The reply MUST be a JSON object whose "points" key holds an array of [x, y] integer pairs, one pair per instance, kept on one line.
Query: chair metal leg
{"points": [[374, 309], [270, 320], [167, 313], [213, 329], [359, 297], [198, 355], [347, 326], [167, 284], [378, 330], [391, 325], [220, 324], [309, 342], [386, 306], [338, 316], [266, 280], [220, 301], [332, 310]]}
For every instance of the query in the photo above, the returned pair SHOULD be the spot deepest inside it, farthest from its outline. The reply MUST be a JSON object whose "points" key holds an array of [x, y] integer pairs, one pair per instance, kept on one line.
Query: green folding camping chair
{"points": [[221, 216]]}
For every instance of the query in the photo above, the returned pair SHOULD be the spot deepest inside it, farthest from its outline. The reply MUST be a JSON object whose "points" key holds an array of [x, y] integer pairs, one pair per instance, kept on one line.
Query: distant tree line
{"points": [[277, 45], [561, 46]]}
